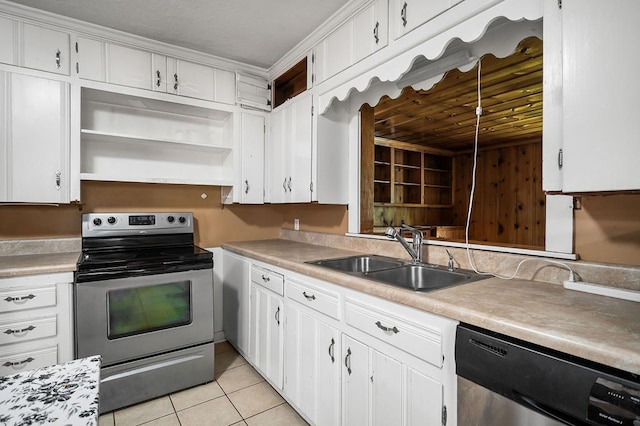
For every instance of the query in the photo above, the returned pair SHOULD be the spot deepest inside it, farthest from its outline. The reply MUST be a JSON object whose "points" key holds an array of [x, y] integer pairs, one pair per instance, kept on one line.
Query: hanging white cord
{"points": [[473, 190]]}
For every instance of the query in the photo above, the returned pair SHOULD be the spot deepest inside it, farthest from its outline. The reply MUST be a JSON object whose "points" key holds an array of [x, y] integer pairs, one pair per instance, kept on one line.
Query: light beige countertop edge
{"points": [[597, 328], [32, 264]]}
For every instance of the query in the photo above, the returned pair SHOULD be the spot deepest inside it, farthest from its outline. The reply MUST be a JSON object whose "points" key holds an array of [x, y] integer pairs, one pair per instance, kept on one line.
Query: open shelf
{"points": [[134, 139]]}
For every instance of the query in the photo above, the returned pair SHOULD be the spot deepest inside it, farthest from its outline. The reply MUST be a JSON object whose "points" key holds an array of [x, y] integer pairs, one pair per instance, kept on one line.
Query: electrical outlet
{"points": [[296, 224]]}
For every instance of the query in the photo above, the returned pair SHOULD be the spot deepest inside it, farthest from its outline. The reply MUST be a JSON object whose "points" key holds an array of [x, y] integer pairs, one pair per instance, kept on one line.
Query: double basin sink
{"points": [[419, 277]]}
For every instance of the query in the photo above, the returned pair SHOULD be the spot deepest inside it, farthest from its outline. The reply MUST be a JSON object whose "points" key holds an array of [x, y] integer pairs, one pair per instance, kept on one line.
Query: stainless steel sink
{"points": [[419, 277], [423, 277], [360, 264]]}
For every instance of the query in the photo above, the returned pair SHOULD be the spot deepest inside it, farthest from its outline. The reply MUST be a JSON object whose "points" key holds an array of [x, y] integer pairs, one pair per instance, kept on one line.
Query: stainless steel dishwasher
{"points": [[503, 381]]}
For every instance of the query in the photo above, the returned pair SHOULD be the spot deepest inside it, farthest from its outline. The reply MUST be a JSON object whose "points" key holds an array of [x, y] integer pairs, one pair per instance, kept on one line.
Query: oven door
{"points": [[130, 318]]}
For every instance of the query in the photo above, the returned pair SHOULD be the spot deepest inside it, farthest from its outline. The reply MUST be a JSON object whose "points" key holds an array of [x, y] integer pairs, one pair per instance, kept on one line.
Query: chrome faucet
{"points": [[416, 250], [451, 264]]}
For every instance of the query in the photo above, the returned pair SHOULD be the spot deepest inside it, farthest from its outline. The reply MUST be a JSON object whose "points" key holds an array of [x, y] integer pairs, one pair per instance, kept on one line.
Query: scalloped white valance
{"points": [[497, 30]]}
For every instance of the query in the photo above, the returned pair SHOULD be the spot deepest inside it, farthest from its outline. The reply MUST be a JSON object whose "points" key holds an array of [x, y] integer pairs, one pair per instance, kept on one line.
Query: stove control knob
{"points": [[170, 219], [111, 220], [181, 219], [97, 221]]}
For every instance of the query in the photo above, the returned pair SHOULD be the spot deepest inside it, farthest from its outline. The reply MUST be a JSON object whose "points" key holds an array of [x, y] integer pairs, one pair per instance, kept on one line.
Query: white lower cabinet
{"points": [[349, 358], [267, 328], [236, 281], [312, 368], [36, 326]]}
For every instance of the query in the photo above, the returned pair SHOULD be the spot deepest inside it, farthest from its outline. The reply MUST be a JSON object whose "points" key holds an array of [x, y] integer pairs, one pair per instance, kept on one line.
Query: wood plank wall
{"points": [[509, 204]]}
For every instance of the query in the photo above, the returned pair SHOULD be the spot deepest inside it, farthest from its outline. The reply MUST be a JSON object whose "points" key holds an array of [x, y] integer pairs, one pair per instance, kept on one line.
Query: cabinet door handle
{"points": [[332, 348], [289, 184], [13, 364], [24, 330], [18, 299], [158, 80], [312, 297], [246, 186], [58, 179], [265, 278], [58, 56], [383, 328], [175, 80], [375, 32], [277, 315], [347, 361], [403, 14], [284, 185]]}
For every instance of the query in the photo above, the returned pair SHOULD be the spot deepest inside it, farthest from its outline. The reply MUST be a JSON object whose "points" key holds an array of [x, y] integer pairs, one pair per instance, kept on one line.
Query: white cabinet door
{"points": [[91, 59], [45, 49], [313, 365], [224, 86], [7, 47], [161, 73], [252, 185], [36, 142], [355, 382], [600, 142], [407, 15], [129, 67], [236, 297], [298, 150], [267, 334], [276, 175], [424, 399], [370, 30], [333, 54], [386, 390], [192, 80]]}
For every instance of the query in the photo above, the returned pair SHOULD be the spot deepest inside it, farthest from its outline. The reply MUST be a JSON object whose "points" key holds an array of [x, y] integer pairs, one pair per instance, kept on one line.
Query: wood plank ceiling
{"points": [[444, 116]]}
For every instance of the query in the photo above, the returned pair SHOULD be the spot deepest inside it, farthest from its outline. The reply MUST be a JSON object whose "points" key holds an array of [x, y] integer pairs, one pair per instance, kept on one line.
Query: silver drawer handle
{"points": [[332, 350], [13, 364], [58, 54], [312, 297], [266, 278], [347, 361], [17, 299], [383, 328], [24, 330]]}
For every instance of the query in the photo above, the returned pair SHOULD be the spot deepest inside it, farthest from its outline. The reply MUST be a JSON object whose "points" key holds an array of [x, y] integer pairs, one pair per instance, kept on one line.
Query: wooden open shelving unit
{"points": [[411, 176]]}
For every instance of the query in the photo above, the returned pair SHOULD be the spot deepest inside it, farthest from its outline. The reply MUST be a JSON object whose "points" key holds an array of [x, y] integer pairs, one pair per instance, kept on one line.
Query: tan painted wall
{"points": [[215, 223]]}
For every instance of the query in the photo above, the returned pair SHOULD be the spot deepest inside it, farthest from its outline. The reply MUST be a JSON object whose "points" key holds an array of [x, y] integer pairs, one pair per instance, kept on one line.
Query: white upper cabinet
{"points": [[45, 49], [35, 113], [353, 41], [590, 89], [370, 30], [289, 151], [7, 47], [252, 176], [190, 79], [90, 63], [407, 15], [128, 67]]}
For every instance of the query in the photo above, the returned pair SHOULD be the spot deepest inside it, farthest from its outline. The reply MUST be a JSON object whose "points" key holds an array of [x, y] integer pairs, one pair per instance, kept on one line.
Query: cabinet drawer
{"points": [[29, 329], [27, 298], [314, 298], [268, 279], [414, 338], [19, 362]]}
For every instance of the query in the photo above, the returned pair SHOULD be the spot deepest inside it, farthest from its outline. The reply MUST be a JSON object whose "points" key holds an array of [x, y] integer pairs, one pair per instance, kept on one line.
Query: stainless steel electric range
{"points": [[144, 301]]}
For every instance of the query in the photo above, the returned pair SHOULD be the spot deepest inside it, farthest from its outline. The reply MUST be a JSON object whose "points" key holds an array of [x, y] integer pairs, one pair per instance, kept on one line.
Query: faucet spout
{"points": [[416, 251]]}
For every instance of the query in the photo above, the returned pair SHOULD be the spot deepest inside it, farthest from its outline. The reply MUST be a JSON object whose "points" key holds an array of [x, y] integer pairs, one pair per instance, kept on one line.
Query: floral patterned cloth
{"points": [[62, 394]]}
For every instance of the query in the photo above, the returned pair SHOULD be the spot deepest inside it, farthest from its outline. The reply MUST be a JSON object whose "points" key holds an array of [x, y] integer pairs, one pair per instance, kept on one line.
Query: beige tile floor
{"points": [[237, 396]]}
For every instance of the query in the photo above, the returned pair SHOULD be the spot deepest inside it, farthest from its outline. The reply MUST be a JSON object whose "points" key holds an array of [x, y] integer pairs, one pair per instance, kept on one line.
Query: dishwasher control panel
{"points": [[613, 403]]}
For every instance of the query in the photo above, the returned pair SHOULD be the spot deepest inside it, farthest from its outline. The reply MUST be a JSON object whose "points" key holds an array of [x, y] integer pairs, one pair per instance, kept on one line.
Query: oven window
{"points": [[140, 310]]}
